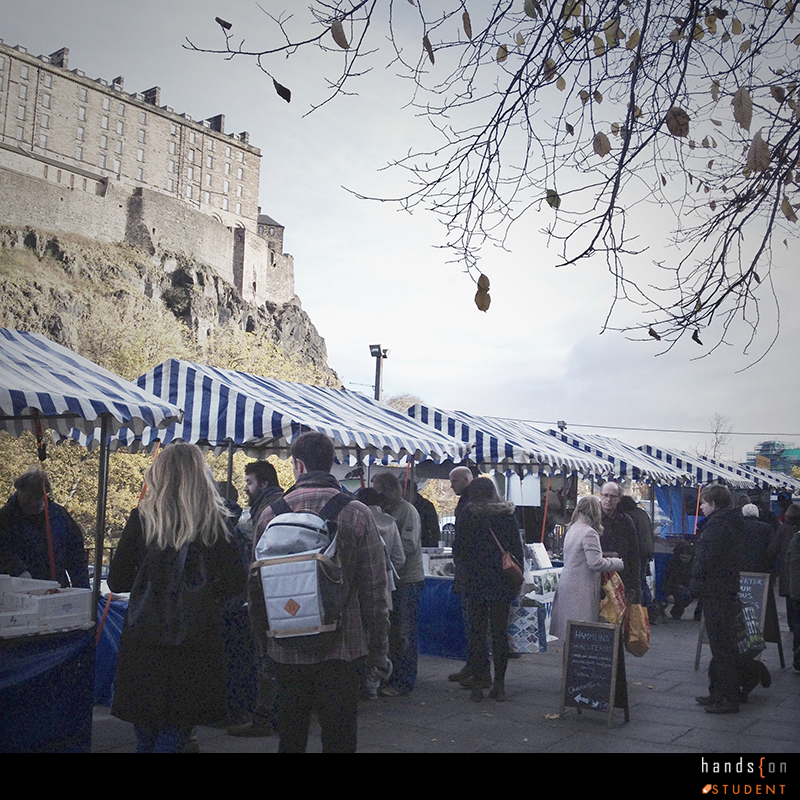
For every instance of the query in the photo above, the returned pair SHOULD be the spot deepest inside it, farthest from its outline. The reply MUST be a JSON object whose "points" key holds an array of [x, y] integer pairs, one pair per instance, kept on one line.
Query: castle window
{"points": [[172, 148], [117, 166], [210, 162], [106, 104], [48, 80], [190, 156], [82, 113], [118, 147], [142, 136], [84, 95], [121, 109], [45, 121], [208, 179], [20, 132], [189, 191], [170, 185], [120, 127], [81, 134], [46, 100], [239, 191], [23, 91], [140, 174], [103, 142], [171, 166], [2, 62], [104, 123], [143, 118], [79, 153], [224, 203], [102, 162], [43, 141], [1, 83], [140, 154], [24, 72], [241, 174], [21, 112], [238, 208], [192, 137], [190, 173], [207, 197]]}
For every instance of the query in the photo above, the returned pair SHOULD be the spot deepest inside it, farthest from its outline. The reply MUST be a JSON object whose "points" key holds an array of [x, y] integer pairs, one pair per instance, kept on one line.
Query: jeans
{"points": [[404, 635], [485, 616]]}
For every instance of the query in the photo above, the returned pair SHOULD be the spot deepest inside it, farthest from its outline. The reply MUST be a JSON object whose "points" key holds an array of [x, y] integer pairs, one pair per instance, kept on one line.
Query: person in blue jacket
{"points": [[24, 547]]}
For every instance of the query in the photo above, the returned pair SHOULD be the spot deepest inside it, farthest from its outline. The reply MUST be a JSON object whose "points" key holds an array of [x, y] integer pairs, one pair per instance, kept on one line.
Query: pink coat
{"points": [[578, 591]]}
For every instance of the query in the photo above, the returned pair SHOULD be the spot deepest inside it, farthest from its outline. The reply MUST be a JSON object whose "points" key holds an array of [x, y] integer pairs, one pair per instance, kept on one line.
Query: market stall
{"points": [[513, 452], [46, 632]]}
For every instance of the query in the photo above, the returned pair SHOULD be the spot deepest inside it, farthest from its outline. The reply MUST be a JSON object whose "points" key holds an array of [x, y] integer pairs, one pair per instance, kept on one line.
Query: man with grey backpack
{"points": [[320, 671]]}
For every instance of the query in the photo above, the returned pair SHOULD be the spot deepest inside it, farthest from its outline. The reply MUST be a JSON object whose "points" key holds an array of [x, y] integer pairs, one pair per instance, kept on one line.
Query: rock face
{"points": [[49, 280]]}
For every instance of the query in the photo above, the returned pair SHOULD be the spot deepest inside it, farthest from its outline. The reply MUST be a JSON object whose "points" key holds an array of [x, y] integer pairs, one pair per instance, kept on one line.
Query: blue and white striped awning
{"points": [[502, 443], [41, 379], [701, 469], [762, 477], [626, 460], [261, 416]]}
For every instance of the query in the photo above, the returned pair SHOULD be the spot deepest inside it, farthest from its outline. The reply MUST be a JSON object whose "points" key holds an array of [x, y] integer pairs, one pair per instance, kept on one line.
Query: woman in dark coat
{"points": [[178, 560], [483, 585]]}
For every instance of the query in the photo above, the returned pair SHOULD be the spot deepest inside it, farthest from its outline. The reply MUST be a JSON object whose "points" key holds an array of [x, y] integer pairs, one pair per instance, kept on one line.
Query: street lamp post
{"points": [[379, 354]]}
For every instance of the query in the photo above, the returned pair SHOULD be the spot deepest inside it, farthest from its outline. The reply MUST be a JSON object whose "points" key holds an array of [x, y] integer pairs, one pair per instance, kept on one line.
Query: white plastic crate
{"points": [[18, 623], [56, 609]]}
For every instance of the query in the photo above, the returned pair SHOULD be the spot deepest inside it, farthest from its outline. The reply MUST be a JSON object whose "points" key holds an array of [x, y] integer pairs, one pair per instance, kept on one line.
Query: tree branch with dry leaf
{"points": [[590, 111]]}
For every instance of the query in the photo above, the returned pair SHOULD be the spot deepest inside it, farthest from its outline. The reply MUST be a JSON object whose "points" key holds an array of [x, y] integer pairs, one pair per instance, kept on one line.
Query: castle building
{"points": [[80, 155]]}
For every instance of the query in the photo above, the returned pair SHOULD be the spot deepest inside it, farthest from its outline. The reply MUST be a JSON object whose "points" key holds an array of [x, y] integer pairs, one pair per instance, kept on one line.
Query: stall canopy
{"points": [[702, 470], [41, 380], [46, 386], [508, 444], [626, 461], [225, 409], [762, 477]]}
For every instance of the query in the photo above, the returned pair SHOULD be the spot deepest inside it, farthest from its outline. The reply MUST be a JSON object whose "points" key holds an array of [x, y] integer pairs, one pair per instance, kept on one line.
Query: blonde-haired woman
{"points": [[178, 560], [578, 591]]}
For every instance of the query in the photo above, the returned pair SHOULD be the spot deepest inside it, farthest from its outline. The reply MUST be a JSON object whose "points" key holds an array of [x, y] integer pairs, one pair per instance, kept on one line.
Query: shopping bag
{"points": [[612, 598], [637, 630]]}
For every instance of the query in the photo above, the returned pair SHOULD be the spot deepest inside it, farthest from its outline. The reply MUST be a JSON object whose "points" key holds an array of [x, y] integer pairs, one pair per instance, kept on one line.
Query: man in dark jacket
{"points": [[261, 487], [715, 580], [619, 537], [24, 547]]}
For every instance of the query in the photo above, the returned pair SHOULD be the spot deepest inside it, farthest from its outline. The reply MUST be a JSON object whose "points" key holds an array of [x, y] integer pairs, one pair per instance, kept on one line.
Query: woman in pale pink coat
{"points": [[578, 591]]}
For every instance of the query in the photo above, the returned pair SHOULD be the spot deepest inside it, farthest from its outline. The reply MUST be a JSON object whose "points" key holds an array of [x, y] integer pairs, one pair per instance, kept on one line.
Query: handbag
{"points": [[511, 567], [612, 601], [637, 630]]}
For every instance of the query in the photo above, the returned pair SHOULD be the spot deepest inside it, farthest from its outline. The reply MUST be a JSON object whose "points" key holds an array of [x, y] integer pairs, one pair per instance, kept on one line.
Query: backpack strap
{"points": [[332, 508], [280, 506]]}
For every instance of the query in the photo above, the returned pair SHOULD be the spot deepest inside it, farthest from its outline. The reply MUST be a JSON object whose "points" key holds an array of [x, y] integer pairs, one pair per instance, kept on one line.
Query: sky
{"points": [[367, 273]]}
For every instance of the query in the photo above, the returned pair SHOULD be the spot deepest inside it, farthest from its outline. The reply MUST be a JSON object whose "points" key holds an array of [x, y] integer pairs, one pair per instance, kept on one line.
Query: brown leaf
{"points": [[696, 337], [742, 108], [502, 54], [654, 335], [677, 121], [282, 91], [553, 198], [226, 25], [787, 209], [778, 93], [550, 69], [337, 31], [428, 48], [483, 282], [601, 144], [758, 157], [467, 24], [482, 300]]}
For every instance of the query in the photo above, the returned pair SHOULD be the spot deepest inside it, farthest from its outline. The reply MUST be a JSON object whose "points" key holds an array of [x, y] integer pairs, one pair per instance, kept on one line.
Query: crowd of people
{"points": [[185, 553]]}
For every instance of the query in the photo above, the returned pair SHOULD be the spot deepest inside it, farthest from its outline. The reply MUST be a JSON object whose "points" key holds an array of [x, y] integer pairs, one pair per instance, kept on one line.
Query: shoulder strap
{"points": [[332, 508], [280, 506]]}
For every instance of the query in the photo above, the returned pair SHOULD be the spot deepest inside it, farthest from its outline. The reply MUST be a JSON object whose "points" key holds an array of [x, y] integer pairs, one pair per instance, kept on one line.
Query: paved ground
{"points": [[439, 717]]}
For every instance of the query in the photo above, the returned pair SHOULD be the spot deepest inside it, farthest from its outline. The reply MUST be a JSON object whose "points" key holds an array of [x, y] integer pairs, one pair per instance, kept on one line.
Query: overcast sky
{"points": [[367, 273]]}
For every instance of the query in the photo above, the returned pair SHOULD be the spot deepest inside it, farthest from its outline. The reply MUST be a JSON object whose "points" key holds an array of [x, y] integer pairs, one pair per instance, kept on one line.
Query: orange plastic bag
{"points": [[637, 630], [612, 599]]}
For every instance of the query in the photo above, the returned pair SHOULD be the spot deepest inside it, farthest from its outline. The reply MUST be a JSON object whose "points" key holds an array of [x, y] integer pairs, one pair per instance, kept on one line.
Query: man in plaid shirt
{"points": [[326, 679]]}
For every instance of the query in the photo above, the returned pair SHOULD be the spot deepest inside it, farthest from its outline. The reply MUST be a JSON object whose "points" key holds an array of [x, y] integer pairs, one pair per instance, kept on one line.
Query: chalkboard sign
{"points": [[594, 669]]}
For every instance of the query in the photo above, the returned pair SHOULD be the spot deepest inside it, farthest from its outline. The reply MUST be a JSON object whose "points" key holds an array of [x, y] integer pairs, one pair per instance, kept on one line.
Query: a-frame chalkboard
{"points": [[594, 669]]}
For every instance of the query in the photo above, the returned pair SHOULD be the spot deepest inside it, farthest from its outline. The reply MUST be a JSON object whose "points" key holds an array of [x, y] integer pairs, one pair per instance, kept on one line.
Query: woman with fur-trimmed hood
{"points": [[484, 587]]}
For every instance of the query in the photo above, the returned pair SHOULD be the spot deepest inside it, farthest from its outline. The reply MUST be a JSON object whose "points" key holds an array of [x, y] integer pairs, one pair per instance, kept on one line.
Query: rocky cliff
{"points": [[55, 283]]}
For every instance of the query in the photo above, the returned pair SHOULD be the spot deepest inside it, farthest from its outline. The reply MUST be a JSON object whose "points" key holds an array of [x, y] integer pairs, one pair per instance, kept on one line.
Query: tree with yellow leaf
{"points": [[584, 110]]}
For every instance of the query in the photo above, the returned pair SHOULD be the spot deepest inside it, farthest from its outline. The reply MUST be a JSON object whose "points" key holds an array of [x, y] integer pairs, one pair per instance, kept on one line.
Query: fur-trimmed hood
{"points": [[490, 509]]}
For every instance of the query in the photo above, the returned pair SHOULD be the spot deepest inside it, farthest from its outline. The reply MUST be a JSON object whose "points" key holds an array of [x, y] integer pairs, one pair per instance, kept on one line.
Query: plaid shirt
{"points": [[365, 620]]}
